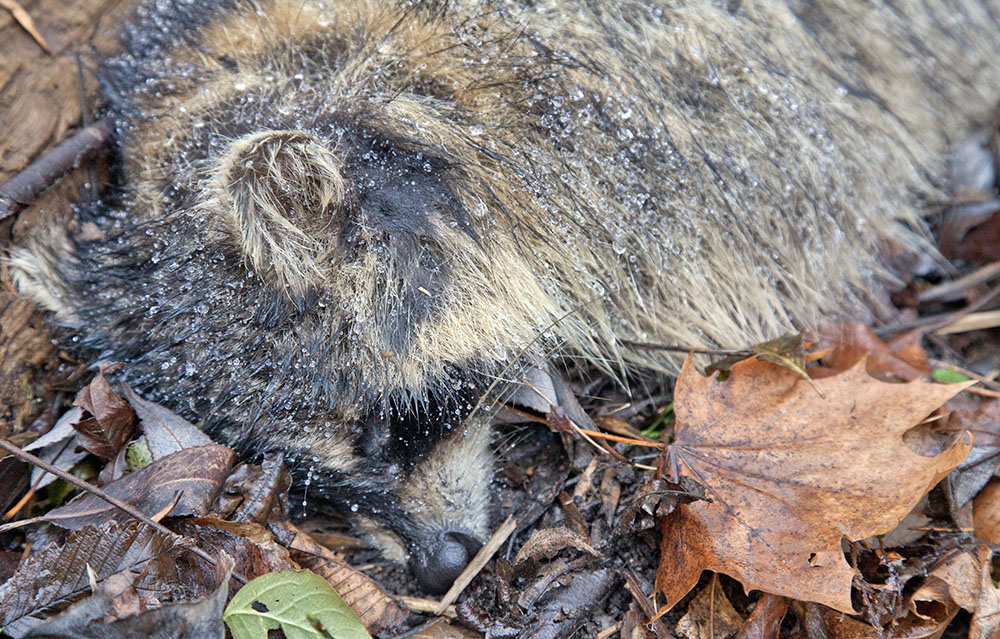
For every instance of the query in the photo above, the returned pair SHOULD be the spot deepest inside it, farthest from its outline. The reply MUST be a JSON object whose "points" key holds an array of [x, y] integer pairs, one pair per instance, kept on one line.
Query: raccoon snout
{"points": [[442, 559]]}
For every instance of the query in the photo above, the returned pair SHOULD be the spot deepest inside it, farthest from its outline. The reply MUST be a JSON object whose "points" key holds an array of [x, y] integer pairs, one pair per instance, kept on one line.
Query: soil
{"points": [[41, 104]]}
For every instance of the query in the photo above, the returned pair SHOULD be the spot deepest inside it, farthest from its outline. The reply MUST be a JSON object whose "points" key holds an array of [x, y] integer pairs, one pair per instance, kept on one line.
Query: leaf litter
{"points": [[765, 480]]}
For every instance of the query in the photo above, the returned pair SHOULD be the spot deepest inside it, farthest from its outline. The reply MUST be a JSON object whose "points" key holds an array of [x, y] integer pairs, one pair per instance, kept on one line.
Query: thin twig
{"points": [[24, 187], [934, 322], [971, 322], [947, 291], [100, 494], [971, 308], [624, 440], [505, 530], [684, 349], [420, 604], [983, 392]]}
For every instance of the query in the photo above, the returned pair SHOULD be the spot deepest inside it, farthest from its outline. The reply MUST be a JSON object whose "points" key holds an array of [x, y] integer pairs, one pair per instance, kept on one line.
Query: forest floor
{"points": [[823, 504]]}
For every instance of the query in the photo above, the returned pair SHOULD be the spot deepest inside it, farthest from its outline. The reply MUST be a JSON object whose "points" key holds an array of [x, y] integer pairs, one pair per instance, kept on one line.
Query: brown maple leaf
{"points": [[791, 473]]}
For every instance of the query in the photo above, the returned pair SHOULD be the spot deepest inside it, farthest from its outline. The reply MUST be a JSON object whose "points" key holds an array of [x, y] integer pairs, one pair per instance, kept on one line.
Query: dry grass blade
{"points": [[24, 19]]}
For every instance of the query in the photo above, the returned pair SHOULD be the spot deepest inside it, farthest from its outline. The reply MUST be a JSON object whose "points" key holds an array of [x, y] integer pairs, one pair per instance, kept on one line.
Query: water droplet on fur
{"points": [[305, 491]]}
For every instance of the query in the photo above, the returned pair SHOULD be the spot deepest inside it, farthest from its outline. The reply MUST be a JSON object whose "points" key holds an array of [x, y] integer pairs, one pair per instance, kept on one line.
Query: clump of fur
{"points": [[342, 221]]}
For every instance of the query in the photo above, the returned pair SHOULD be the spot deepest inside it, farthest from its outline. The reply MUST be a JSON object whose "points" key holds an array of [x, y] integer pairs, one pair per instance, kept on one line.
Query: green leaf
{"points": [[949, 376], [137, 455], [301, 603], [665, 419]]}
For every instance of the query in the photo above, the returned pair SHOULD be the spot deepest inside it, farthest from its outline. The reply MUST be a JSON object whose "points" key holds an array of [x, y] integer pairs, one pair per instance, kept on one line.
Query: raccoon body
{"points": [[343, 221]]}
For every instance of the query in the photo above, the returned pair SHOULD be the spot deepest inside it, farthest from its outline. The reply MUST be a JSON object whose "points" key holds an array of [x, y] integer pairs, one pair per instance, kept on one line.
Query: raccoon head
{"points": [[311, 254], [415, 474]]}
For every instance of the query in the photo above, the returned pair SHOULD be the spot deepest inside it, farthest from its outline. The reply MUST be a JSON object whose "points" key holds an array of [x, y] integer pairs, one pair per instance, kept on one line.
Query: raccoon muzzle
{"points": [[439, 561]]}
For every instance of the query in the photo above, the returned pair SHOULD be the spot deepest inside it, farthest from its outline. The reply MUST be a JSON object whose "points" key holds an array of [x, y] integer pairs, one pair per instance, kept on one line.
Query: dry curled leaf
{"points": [[790, 474], [710, 615], [107, 422], [902, 359], [547, 542], [953, 582]]}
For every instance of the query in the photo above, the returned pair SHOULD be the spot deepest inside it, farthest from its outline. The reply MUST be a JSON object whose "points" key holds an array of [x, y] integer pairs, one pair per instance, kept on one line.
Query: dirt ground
{"points": [[42, 103]]}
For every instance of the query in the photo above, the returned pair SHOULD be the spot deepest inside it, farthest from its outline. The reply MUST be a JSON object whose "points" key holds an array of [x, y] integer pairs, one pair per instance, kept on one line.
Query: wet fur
{"points": [[343, 220]]}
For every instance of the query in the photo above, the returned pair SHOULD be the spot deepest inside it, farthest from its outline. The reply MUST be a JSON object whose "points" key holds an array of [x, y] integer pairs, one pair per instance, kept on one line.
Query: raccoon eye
{"points": [[279, 189]]}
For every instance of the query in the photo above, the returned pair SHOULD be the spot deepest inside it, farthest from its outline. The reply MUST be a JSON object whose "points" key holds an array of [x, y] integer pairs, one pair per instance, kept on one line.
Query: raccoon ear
{"points": [[281, 191]]}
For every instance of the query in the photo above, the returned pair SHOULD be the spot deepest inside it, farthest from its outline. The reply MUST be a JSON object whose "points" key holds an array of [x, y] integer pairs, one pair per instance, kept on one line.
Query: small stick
{"points": [[684, 349], [100, 494], [983, 392], [952, 289], [506, 529], [971, 322], [419, 604], [625, 440], [24, 187]]}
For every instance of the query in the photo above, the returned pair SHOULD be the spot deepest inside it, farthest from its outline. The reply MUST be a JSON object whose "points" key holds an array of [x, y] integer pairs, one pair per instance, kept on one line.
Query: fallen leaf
{"points": [[953, 582], [611, 491], [198, 619], [791, 474], [765, 620], [258, 493], [655, 499], [986, 513], [14, 475], [196, 474], [983, 421], [444, 630], [840, 626], [166, 431], [300, 603], [985, 622], [58, 575], [107, 422], [375, 608], [58, 447], [547, 542], [902, 359], [709, 615], [252, 547]]}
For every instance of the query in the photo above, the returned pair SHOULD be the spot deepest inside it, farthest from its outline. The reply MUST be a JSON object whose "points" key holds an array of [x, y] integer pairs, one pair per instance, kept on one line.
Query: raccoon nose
{"points": [[442, 560]]}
